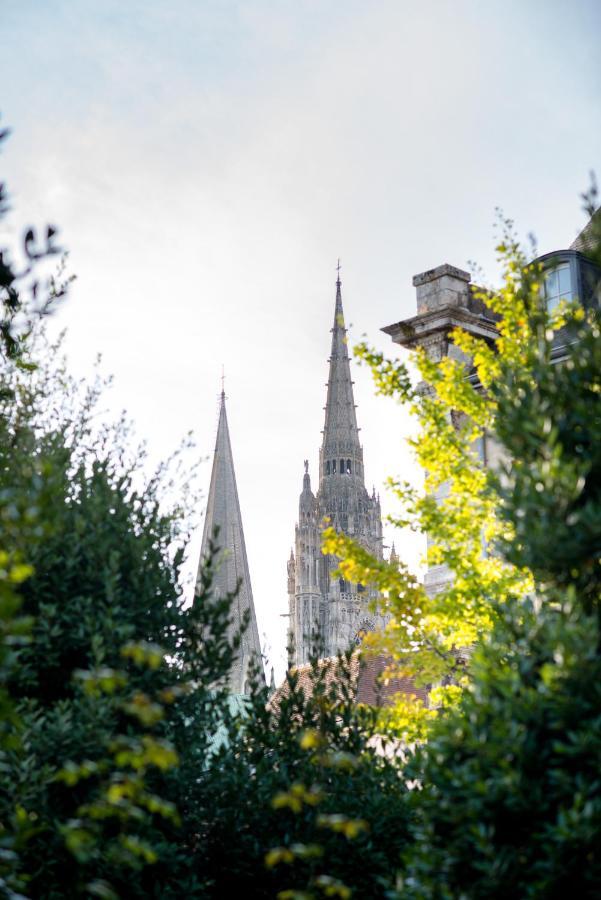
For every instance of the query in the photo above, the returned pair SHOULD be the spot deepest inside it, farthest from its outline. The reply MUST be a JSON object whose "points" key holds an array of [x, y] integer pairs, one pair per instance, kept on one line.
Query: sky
{"points": [[208, 161]]}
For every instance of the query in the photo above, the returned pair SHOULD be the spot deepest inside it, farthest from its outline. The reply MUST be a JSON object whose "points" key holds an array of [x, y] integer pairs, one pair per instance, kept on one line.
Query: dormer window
{"points": [[557, 285], [569, 275]]}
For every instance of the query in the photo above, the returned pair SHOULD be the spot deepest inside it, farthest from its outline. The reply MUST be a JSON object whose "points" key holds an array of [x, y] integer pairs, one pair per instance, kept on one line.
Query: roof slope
{"points": [[368, 676]]}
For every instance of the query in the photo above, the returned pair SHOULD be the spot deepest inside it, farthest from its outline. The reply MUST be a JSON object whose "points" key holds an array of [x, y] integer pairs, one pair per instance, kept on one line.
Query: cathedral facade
{"points": [[326, 613]]}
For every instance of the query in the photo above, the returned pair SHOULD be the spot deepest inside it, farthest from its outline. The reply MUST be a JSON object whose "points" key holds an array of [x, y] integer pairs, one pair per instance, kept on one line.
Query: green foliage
{"points": [[115, 668], [307, 805], [550, 495], [510, 803], [510, 798], [461, 507], [25, 297], [128, 772], [507, 797]]}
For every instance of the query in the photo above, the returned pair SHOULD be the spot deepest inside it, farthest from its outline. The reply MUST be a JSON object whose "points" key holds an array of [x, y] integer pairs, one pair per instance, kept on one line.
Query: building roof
{"points": [[588, 239], [368, 679]]}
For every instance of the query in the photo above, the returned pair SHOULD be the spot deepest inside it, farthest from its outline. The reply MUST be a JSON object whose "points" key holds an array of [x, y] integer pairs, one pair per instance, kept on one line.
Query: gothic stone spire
{"points": [[223, 512], [340, 445], [317, 600]]}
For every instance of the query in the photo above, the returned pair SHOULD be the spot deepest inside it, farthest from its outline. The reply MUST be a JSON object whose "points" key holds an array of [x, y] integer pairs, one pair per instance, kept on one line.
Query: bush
{"points": [[304, 789], [510, 799], [115, 670]]}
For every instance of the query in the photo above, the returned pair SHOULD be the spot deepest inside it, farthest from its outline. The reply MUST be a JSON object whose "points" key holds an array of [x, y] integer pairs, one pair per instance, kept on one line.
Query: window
{"points": [[334, 466], [348, 467], [365, 627], [557, 285], [328, 467], [342, 467]]}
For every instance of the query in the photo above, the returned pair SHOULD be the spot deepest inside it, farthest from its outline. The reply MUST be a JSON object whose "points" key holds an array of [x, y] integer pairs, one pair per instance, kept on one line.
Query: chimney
{"points": [[443, 286]]}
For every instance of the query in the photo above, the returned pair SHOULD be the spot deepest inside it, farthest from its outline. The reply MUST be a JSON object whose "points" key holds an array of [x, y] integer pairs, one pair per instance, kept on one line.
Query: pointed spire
{"points": [[394, 557], [307, 498], [223, 512], [340, 435], [306, 477]]}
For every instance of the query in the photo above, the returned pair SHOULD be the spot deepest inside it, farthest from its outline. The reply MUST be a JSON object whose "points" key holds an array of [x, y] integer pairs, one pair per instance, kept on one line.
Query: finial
{"points": [[306, 466], [338, 267], [223, 381]]}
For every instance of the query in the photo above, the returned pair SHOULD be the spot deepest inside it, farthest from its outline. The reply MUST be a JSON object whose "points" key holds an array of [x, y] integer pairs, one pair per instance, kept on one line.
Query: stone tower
{"points": [[335, 609], [223, 512]]}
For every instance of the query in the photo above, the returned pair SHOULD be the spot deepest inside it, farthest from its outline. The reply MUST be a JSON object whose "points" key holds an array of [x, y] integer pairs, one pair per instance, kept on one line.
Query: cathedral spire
{"points": [[340, 444], [223, 512], [322, 606]]}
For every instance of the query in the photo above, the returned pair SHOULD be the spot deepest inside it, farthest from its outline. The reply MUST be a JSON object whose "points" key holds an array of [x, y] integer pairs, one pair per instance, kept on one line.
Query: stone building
{"points": [[223, 513], [327, 614], [447, 299]]}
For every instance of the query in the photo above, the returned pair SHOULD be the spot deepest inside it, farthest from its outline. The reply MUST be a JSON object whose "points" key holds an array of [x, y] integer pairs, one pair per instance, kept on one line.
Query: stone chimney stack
{"points": [[446, 299], [443, 286]]}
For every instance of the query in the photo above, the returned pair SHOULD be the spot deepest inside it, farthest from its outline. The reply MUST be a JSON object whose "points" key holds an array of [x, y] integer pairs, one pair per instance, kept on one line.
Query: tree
{"points": [[25, 298], [427, 633], [105, 674], [310, 799], [511, 804], [508, 799], [115, 663]]}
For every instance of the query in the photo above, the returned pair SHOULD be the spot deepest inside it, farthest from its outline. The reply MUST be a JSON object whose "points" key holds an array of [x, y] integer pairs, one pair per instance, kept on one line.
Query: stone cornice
{"points": [[411, 332]]}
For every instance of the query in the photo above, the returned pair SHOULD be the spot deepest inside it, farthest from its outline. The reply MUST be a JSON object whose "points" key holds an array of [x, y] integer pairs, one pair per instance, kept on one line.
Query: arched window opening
{"points": [[328, 467], [348, 467], [334, 466], [342, 467]]}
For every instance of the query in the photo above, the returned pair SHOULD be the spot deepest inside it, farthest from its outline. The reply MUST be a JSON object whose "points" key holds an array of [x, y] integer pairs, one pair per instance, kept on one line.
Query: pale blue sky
{"points": [[207, 162]]}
